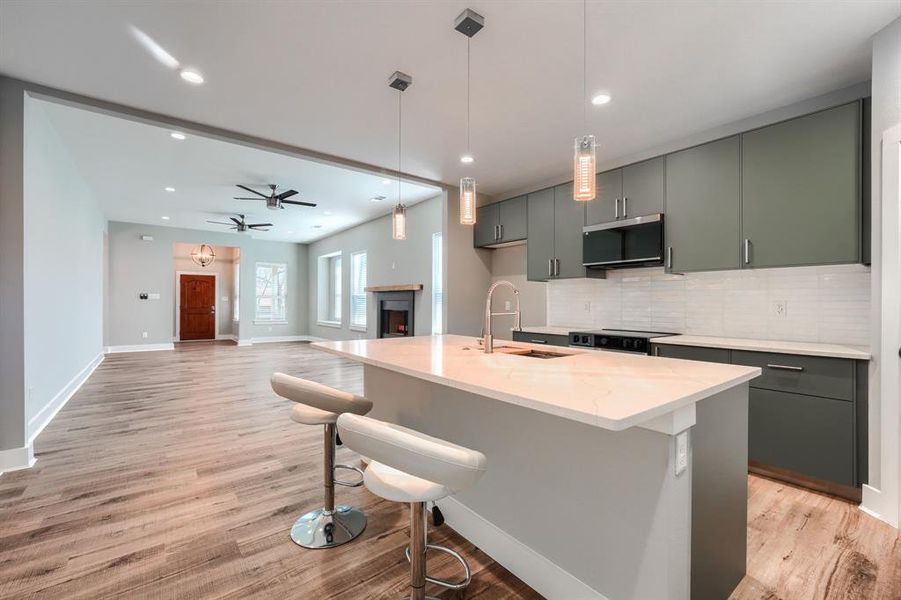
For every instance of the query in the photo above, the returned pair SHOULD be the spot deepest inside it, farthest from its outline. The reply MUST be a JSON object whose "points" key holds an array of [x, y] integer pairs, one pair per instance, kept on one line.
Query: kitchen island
{"points": [[610, 475]]}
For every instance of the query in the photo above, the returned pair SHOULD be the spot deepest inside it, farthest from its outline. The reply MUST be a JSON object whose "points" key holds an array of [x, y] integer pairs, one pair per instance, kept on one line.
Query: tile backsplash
{"points": [[828, 304]]}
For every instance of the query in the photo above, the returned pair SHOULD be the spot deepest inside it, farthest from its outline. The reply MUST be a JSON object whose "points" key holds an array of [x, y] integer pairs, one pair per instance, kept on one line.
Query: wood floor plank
{"points": [[178, 475]]}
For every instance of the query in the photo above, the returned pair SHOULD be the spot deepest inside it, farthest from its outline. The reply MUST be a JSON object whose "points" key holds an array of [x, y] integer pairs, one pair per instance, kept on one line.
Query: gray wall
{"points": [[467, 271], [64, 229], [510, 264], [388, 261], [12, 274], [886, 113], [137, 266]]}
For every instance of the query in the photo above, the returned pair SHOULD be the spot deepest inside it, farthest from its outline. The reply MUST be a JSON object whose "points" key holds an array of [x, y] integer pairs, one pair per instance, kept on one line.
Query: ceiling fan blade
{"points": [[287, 194], [256, 228], [218, 223], [251, 198], [236, 221], [298, 202], [244, 187], [259, 225]]}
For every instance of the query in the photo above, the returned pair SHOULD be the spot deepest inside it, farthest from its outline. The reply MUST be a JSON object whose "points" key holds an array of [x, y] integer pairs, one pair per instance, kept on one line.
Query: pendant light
{"points": [[400, 82], [584, 159], [468, 23], [203, 255]]}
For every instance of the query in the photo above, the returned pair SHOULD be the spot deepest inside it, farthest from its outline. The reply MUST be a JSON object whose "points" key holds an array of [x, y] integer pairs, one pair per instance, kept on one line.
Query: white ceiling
{"points": [[128, 165], [313, 73]]}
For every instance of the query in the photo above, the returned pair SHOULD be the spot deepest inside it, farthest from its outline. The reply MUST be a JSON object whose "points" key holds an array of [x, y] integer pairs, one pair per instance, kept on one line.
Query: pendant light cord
{"points": [[584, 65], [400, 95], [468, 136]]}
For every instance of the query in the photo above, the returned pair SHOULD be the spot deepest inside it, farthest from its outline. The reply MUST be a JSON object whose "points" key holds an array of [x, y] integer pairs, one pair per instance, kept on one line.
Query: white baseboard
{"points": [[139, 348], [37, 423], [284, 338], [873, 503], [226, 336], [245, 342], [535, 570], [15, 459]]}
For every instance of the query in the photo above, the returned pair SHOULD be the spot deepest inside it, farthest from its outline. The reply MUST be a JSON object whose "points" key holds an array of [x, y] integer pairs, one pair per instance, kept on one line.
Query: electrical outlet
{"points": [[145, 335], [779, 309], [681, 452]]}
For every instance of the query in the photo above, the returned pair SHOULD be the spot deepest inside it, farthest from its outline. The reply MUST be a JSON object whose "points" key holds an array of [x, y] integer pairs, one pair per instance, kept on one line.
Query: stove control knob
{"points": [[575, 339], [604, 341]]}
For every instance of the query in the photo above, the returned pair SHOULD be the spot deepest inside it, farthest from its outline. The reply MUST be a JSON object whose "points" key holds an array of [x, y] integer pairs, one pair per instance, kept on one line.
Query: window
{"points": [[437, 284], [329, 288], [358, 291], [271, 292], [236, 312]]}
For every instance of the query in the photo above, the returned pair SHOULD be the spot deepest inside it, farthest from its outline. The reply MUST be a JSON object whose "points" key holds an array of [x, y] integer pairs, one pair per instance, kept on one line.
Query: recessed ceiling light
{"points": [[376, 198], [177, 135], [165, 218], [191, 76], [600, 99], [386, 181], [169, 189], [317, 226], [466, 159]]}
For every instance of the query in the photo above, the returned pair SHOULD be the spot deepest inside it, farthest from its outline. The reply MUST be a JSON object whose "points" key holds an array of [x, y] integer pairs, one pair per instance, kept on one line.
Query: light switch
{"points": [[154, 295]]}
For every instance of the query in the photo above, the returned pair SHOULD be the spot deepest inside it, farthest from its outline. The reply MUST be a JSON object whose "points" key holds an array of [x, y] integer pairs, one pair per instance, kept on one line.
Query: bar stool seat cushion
{"points": [[420, 456], [397, 486], [312, 416]]}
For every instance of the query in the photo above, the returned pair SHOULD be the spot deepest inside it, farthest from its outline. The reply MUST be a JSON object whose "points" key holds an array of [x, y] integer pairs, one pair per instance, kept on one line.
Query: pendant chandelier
{"points": [[468, 23], [584, 159], [400, 82], [203, 255]]}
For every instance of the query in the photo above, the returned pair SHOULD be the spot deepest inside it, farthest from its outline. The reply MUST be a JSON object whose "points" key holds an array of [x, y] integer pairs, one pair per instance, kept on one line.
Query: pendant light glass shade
{"points": [[399, 222], [467, 201], [584, 167]]}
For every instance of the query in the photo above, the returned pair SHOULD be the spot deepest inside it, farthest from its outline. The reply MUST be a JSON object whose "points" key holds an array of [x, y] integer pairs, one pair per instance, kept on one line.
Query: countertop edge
{"points": [[833, 351]]}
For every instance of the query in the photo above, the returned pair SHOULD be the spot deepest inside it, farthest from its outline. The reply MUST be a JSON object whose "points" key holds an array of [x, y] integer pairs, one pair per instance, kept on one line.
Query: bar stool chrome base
{"points": [[323, 529]]}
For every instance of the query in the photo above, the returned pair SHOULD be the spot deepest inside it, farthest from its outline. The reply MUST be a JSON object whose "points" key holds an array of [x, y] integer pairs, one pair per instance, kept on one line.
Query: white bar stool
{"points": [[408, 466], [319, 404]]}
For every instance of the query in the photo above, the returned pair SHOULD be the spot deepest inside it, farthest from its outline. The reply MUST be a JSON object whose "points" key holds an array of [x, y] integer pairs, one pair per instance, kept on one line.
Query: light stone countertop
{"points": [[606, 389], [801, 348]]}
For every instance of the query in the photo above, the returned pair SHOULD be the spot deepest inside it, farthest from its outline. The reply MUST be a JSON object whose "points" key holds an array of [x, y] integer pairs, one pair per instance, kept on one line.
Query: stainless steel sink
{"points": [[544, 354]]}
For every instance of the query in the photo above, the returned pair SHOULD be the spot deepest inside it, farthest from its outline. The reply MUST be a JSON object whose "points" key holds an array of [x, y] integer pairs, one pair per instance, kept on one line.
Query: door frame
{"points": [[177, 295]]}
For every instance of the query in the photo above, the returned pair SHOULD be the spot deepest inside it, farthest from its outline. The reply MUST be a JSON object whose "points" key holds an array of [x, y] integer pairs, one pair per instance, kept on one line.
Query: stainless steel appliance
{"points": [[615, 340], [632, 242]]}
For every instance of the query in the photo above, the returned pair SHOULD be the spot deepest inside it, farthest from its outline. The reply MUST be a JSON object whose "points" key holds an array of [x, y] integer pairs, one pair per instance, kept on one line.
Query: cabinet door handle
{"points": [[538, 341], [500, 229], [625, 205], [669, 257], [616, 207], [556, 267], [656, 350], [550, 262], [785, 368], [747, 251]]}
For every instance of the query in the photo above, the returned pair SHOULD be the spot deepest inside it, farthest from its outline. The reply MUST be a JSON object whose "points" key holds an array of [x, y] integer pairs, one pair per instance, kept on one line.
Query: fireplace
{"points": [[395, 314]]}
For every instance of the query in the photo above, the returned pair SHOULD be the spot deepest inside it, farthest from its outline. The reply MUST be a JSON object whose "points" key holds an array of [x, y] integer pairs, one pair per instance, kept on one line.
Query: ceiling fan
{"points": [[241, 225], [274, 201]]}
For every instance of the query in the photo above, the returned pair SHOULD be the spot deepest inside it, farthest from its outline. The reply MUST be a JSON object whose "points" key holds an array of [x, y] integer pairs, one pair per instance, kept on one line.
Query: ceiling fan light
{"points": [[399, 222], [584, 167], [467, 201]]}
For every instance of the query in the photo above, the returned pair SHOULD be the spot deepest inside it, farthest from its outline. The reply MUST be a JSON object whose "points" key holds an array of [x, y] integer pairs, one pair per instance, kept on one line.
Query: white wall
{"points": [[224, 268], [883, 494], [137, 266], [510, 264], [389, 261], [63, 249]]}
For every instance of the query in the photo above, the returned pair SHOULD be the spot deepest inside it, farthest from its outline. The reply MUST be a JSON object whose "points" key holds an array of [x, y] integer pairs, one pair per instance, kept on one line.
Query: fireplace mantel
{"points": [[400, 287]]}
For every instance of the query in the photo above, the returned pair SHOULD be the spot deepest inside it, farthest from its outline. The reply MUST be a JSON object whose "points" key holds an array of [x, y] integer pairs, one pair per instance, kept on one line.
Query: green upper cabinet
{"points": [[703, 207], [569, 218], [501, 223], [485, 230], [643, 189], [605, 207], [801, 190], [540, 248], [513, 219]]}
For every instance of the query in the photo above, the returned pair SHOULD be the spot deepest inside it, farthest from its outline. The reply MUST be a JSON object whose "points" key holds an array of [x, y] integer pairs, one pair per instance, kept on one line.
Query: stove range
{"points": [[615, 340]]}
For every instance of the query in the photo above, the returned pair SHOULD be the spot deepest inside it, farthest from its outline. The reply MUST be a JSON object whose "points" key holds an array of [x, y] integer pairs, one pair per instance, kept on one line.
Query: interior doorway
{"points": [[197, 306]]}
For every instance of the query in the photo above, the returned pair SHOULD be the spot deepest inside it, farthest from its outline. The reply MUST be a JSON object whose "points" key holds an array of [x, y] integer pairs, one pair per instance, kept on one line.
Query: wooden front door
{"points": [[197, 302]]}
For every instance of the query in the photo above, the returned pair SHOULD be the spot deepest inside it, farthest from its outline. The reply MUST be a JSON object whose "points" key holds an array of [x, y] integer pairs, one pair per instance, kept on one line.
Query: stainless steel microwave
{"points": [[635, 242]]}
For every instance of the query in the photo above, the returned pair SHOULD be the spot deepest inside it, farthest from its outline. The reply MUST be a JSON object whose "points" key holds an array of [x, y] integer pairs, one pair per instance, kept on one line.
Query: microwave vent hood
{"points": [[635, 242]]}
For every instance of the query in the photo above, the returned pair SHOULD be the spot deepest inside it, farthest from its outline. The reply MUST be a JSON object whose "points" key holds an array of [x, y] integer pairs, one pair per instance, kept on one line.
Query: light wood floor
{"points": [[178, 474]]}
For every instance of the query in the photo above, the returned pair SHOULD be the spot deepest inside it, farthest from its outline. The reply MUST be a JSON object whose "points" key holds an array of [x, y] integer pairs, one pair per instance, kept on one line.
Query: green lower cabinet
{"points": [[801, 190], [703, 207], [715, 355], [810, 435]]}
